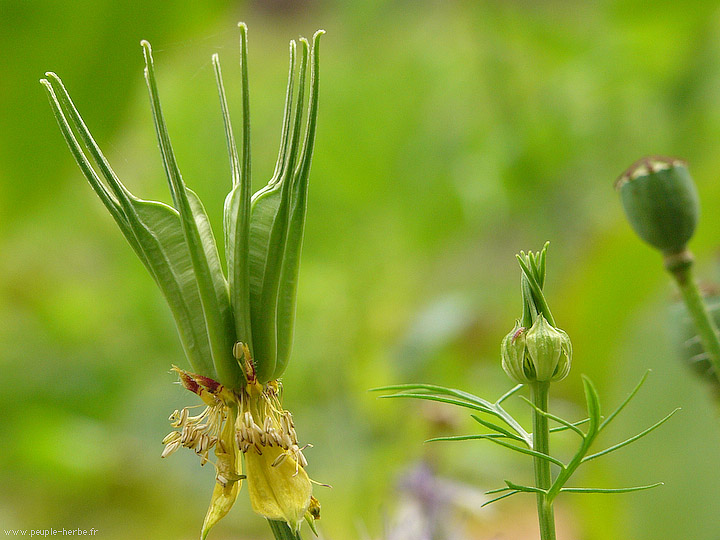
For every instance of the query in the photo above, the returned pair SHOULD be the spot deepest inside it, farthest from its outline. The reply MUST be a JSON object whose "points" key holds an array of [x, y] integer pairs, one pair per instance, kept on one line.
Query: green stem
{"points": [[681, 270], [543, 475], [281, 531]]}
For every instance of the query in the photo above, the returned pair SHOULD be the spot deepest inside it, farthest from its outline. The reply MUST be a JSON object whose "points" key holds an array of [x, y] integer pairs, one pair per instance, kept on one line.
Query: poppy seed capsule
{"points": [[661, 202]]}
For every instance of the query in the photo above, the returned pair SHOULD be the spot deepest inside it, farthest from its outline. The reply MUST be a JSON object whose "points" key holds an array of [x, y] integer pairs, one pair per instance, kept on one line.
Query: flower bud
{"points": [[549, 349], [512, 353], [661, 202], [542, 353]]}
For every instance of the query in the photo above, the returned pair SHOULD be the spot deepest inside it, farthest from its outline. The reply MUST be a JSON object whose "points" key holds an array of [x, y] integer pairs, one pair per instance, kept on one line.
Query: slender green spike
{"points": [[542, 262], [285, 134], [245, 104], [165, 255], [509, 393], [287, 293], [292, 155], [631, 439], [536, 289], [497, 490], [251, 237], [480, 404], [593, 406], [479, 437], [309, 143], [266, 321], [496, 499], [236, 218], [441, 400], [177, 186], [269, 220], [264, 208], [565, 423], [168, 157], [524, 489], [497, 428], [264, 203], [611, 490], [287, 117], [529, 313], [474, 437], [112, 205], [527, 266], [120, 192], [405, 390], [237, 204], [625, 401], [536, 269], [227, 123], [203, 250], [438, 390], [565, 428], [240, 277], [519, 449]]}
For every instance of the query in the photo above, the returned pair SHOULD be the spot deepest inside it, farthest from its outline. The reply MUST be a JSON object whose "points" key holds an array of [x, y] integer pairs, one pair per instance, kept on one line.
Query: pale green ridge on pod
{"points": [[661, 202]]}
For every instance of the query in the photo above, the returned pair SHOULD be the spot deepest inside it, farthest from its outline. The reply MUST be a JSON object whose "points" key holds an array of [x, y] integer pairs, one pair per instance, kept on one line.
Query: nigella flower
{"points": [[236, 329]]}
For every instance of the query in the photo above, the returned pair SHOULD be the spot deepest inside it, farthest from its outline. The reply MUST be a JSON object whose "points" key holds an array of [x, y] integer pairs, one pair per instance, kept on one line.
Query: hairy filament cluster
{"points": [[278, 430], [199, 433], [262, 422]]}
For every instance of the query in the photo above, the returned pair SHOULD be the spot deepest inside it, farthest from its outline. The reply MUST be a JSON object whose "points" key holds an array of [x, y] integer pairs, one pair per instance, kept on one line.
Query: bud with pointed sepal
{"points": [[536, 350], [512, 353], [549, 350], [541, 354]]}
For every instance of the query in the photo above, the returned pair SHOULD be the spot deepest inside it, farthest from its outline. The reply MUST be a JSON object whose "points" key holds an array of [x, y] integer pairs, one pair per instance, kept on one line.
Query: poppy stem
{"points": [[704, 323]]}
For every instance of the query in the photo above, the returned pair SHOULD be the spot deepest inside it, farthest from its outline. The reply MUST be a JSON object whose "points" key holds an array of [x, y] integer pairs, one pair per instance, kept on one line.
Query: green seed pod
{"points": [[661, 202], [549, 350]]}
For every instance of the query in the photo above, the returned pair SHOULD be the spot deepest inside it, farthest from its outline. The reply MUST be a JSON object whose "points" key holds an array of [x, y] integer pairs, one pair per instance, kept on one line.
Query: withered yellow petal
{"points": [[223, 498], [228, 478], [281, 492]]}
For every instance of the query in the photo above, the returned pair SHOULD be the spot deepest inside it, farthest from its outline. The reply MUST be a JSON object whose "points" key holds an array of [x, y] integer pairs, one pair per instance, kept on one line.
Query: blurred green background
{"points": [[452, 134]]}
